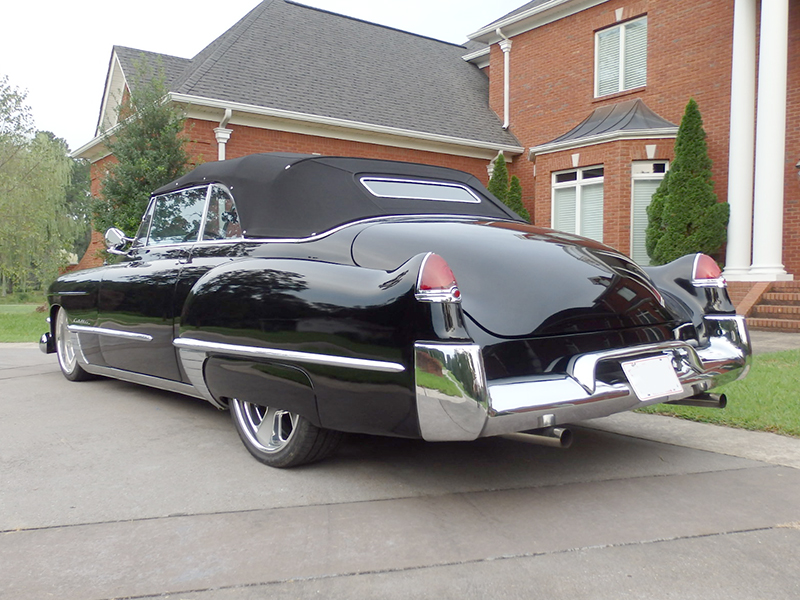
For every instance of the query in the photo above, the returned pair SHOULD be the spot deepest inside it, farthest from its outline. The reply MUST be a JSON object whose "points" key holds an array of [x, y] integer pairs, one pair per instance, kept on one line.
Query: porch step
{"points": [[778, 309], [788, 325], [787, 298]]}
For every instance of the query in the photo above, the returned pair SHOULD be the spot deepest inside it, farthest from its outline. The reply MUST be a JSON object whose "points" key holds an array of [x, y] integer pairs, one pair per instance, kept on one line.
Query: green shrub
{"points": [[684, 215], [509, 193]]}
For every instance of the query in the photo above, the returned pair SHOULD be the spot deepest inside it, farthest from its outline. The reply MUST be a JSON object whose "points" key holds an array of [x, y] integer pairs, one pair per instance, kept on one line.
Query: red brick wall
{"points": [[552, 90], [791, 207], [250, 140]]}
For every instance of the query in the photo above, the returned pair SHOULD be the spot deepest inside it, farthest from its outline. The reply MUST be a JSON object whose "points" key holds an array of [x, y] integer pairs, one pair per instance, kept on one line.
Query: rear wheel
{"points": [[280, 438], [67, 349]]}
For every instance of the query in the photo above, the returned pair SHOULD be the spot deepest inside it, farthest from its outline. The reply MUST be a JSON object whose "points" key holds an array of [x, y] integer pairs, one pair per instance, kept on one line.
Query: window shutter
{"points": [[608, 56], [592, 211], [642, 195], [564, 209], [635, 54]]}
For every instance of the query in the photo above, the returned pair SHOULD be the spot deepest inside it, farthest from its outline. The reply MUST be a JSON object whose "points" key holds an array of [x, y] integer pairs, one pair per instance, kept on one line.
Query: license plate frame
{"points": [[652, 377]]}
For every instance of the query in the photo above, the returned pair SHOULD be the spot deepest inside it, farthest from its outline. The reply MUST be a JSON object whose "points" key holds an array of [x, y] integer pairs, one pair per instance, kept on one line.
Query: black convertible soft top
{"points": [[282, 195]]}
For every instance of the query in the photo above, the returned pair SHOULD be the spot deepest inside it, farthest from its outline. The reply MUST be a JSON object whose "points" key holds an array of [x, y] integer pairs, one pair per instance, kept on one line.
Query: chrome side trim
{"points": [[289, 355], [148, 380], [128, 335]]}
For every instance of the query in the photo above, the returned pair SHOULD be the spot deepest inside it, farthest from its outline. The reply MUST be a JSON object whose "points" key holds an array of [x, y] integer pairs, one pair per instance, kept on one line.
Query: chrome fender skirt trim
{"points": [[288, 355], [456, 402], [128, 335]]}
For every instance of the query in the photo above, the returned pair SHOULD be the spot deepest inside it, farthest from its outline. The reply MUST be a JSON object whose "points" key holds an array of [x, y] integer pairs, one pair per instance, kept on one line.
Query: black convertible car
{"points": [[316, 295]]}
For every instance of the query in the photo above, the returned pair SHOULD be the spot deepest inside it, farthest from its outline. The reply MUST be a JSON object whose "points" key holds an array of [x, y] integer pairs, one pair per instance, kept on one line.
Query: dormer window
{"points": [[621, 57]]}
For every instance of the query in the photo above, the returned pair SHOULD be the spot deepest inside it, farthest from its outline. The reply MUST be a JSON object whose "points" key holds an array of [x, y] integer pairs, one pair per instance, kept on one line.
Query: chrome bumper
{"points": [[456, 402]]}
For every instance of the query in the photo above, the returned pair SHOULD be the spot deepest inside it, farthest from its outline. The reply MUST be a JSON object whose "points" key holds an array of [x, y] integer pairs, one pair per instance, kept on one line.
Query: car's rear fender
{"points": [[690, 299], [320, 339]]}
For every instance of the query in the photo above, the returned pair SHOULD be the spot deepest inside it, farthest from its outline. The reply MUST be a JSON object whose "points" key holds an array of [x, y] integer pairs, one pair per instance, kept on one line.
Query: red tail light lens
{"points": [[436, 281], [707, 272]]}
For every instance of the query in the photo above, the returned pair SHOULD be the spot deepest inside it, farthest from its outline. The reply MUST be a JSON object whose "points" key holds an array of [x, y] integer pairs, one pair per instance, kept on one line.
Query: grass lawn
{"points": [[21, 323], [768, 399]]}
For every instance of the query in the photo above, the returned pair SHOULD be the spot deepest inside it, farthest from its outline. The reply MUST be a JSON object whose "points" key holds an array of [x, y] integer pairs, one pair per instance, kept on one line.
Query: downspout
{"points": [[223, 134], [505, 46]]}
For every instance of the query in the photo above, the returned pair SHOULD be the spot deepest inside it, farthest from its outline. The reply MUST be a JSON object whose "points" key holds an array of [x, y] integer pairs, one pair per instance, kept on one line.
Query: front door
{"points": [[137, 297]]}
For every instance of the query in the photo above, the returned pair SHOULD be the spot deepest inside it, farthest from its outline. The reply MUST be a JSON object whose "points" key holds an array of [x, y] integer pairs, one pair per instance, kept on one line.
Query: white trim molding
{"points": [[209, 109], [614, 136], [532, 18]]}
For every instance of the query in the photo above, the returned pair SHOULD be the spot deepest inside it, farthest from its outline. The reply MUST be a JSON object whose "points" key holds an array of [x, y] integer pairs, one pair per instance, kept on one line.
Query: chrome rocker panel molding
{"points": [[148, 380], [498, 407]]}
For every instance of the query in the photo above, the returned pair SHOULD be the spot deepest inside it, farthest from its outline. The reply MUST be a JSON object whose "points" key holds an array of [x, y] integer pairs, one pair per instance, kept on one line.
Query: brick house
{"points": [[583, 97]]}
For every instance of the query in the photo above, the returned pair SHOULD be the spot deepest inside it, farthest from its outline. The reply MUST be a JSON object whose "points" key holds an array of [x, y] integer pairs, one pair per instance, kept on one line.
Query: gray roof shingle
{"points": [[288, 56], [628, 116]]}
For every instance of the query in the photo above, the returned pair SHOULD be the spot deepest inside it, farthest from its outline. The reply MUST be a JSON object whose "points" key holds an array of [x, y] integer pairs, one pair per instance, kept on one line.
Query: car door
{"points": [[136, 305]]}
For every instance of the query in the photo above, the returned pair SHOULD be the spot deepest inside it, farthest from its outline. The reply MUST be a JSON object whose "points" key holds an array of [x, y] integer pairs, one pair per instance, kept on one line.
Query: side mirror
{"points": [[116, 241]]}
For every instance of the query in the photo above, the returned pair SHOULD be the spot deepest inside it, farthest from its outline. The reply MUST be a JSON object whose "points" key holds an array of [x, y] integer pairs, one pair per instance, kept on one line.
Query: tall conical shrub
{"points": [[510, 193], [498, 184], [684, 215]]}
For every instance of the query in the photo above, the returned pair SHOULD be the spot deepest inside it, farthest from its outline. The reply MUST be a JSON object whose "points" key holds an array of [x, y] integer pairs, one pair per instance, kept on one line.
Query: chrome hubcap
{"points": [[65, 346], [268, 429]]}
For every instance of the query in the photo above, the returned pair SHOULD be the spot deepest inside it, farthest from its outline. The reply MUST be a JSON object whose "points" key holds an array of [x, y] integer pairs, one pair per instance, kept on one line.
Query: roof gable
{"points": [[288, 57], [295, 58]]}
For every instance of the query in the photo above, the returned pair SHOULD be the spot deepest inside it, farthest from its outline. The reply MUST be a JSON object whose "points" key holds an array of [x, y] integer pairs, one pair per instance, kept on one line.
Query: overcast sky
{"points": [[59, 50]]}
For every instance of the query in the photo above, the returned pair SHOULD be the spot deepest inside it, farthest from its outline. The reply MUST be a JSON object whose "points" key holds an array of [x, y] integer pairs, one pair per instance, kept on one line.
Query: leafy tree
{"points": [[37, 230], [684, 216], [79, 203], [510, 193], [150, 151]]}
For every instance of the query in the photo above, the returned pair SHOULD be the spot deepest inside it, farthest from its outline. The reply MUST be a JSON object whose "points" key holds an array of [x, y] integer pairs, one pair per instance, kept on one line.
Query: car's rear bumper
{"points": [[456, 402]]}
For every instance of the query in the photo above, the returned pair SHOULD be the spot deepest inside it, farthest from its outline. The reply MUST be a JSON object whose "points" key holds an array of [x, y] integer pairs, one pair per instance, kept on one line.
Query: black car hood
{"points": [[520, 281]]}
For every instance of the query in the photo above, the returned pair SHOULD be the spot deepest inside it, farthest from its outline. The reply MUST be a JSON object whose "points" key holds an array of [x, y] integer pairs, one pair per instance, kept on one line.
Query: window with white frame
{"points": [[621, 57], [646, 176], [578, 202]]}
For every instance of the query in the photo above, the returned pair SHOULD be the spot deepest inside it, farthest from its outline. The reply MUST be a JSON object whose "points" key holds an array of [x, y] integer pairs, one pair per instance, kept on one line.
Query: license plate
{"points": [[653, 377]]}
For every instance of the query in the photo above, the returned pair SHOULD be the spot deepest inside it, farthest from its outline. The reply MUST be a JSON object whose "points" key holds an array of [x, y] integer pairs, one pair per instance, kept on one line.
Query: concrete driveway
{"points": [[109, 490]]}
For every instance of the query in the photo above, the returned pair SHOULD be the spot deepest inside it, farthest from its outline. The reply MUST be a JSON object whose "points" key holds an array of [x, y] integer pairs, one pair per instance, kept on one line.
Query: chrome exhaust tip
{"points": [[704, 401], [554, 437]]}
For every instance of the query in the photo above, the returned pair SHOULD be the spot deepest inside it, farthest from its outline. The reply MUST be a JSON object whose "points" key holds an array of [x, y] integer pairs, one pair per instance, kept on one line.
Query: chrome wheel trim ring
{"points": [[65, 345], [268, 429]]}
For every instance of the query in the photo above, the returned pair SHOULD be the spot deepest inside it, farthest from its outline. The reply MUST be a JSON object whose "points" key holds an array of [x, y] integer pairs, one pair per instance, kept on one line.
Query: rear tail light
{"points": [[436, 281], [706, 272]]}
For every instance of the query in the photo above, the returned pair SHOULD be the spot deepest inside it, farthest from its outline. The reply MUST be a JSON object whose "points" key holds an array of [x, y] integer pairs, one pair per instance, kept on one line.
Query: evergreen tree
{"points": [[498, 184], [150, 151], [509, 194], [514, 199], [684, 215]]}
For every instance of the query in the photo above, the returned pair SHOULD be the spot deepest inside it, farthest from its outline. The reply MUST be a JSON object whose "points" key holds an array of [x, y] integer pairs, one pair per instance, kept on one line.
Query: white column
{"points": [[770, 143], [742, 140], [223, 135]]}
